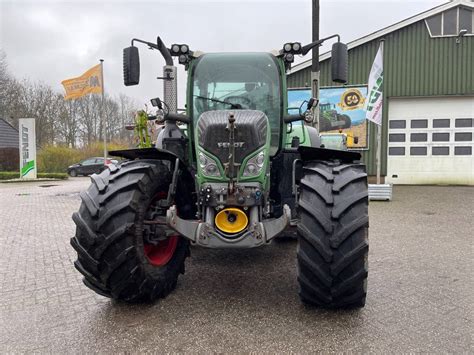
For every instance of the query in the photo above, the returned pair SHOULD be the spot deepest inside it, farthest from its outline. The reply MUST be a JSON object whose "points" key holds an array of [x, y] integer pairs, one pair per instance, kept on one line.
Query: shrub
{"points": [[7, 175], [58, 158], [9, 159], [61, 176]]}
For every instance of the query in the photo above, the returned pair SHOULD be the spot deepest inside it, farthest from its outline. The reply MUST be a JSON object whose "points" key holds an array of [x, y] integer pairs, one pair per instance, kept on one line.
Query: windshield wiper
{"points": [[234, 106]]}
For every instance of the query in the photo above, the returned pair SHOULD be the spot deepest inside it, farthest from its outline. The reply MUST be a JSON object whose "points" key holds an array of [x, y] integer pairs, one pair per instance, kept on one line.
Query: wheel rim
{"points": [[161, 253]]}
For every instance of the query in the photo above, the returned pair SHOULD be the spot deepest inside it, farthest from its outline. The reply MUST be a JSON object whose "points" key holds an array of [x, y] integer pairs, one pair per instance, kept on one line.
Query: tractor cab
{"points": [[238, 81]]}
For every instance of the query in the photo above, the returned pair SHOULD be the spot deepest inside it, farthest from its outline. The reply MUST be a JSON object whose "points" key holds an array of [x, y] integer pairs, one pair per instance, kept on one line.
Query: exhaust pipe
{"points": [[170, 78]]}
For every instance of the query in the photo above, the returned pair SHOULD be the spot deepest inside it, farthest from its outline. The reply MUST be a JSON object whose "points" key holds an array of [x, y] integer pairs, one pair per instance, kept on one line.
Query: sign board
{"points": [[340, 109], [27, 135]]}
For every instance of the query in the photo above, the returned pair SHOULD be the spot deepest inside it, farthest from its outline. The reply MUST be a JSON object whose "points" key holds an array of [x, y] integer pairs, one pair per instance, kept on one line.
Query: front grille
{"points": [[250, 128]]}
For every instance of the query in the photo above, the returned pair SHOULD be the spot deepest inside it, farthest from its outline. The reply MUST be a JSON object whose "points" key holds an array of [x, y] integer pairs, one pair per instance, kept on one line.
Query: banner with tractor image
{"points": [[341, 109]]}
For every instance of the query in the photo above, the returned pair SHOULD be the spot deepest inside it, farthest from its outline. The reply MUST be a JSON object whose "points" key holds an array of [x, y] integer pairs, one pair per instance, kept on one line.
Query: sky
{"points": [[50, 41]]}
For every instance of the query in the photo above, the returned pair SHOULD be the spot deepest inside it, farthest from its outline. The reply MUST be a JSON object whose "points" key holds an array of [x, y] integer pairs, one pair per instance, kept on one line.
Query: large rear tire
{"points": [[333, 235], [114, 256]]}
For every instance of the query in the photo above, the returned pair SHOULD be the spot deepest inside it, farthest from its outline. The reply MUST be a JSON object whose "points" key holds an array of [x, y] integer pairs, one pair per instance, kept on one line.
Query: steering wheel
{"points": [[244, 100]]}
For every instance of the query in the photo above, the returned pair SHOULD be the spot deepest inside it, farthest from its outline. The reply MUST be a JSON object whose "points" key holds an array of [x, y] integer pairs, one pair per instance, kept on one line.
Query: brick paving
{"points": [[420, 286]]}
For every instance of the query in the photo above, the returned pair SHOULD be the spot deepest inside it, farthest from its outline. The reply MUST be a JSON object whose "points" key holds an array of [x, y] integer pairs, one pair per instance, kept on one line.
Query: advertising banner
{"points": [[88, 83], [27, 135], [373, 105], [341, 109]]}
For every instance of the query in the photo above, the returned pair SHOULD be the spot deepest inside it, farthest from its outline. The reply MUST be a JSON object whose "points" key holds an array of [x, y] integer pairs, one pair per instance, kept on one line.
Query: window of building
{"points": [[440, 151], [441, 137], [450, 22], [397, 124], [434, 25], [418, 137], [396, 151], [463, 136], [464, 122], [418, 150], [396, 137], [466, 19], [441, 123], [419, 124], [462, 150]]}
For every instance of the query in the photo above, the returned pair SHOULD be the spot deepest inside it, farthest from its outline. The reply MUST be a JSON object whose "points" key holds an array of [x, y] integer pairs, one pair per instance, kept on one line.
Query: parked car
{"points": [[90, 166]]}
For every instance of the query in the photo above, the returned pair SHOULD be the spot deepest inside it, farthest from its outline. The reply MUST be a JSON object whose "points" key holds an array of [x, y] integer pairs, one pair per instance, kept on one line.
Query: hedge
{"points": [[7, 175], [58, 158]]}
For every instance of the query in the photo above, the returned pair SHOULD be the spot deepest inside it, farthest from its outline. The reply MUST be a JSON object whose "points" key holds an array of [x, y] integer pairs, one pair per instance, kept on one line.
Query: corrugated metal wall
{"points": [[414, 65], [8, 135]]}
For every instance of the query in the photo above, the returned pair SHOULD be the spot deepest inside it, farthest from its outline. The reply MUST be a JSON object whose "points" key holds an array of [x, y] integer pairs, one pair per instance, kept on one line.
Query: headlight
{"points": [[208, 165], [296, 46], [175, 48], [254, 165]]}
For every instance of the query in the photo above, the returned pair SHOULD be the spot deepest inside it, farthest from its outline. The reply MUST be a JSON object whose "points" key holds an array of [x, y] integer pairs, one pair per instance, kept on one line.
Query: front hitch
{"points": [[205, 234]]}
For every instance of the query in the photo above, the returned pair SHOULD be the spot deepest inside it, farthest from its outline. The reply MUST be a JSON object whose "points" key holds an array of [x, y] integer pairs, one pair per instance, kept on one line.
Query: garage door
{"points": [[430, 141]]}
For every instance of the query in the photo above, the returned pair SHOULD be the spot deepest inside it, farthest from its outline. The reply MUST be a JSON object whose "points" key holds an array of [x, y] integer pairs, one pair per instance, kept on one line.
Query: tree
{"points": [[67, 126], [73, 122], [8, 89], [41, 102], [126, 115]]}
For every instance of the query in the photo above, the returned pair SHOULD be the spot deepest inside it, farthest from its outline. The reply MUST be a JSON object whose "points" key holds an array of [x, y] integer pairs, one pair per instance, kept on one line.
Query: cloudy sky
{"points": [[55, 40]]}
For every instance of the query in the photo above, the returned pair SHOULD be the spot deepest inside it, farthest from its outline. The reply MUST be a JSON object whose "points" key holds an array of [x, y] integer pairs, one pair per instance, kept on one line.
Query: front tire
{"points": [[113, 254], [333, 235], [73, 173], [347, 121]]}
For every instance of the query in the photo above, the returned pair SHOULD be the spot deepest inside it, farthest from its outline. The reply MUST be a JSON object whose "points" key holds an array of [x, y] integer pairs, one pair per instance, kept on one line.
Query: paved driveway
{"points": [[420, 286]]}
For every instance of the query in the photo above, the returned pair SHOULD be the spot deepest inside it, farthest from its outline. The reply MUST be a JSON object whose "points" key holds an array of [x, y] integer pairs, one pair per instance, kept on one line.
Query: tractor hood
{"points": [[251, 135]]}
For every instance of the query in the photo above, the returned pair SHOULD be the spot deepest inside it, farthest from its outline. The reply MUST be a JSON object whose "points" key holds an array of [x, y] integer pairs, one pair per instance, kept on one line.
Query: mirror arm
{"points": [[176, 118], [293, 118], [308, 47], [158, 46], [151, 45]]}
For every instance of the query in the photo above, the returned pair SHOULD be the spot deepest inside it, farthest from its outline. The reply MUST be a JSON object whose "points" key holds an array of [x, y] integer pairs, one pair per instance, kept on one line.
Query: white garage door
{"points": [[430, 141]]}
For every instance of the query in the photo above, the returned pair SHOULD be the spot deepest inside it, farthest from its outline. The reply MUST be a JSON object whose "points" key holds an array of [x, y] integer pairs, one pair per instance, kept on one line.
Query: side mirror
{"points": [[131, 66], [156, 102], [339, 59], [313, 102]]}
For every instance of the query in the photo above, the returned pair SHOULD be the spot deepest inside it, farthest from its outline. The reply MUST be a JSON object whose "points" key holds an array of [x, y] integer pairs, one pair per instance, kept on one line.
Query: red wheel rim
{"points": [[161, 254]]}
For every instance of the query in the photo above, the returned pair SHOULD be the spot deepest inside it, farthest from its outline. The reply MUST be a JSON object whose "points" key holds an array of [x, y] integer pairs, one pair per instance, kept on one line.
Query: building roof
{"points": [[389, 29], [8, 135]]}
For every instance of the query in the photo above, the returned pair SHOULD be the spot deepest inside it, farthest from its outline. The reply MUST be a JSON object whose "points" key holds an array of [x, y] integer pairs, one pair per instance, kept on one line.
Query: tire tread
{"points": [[332, 234], [108, 234]]}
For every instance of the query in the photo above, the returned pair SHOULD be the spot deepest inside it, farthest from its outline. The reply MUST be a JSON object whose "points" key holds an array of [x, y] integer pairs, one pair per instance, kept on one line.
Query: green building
{"points": [[428, 111]]}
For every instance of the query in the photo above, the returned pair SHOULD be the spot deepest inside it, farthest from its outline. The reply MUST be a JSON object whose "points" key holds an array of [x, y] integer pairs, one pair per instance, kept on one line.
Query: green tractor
{"points": [[232, 172], [331, 120]]}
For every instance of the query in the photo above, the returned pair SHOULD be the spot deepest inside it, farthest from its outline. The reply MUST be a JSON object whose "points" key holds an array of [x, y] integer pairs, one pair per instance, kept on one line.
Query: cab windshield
{"points": [[233, 81]]}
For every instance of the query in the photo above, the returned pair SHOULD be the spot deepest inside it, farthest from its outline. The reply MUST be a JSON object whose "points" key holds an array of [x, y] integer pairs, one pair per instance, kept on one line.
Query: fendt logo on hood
{"points": [[227, 144]]}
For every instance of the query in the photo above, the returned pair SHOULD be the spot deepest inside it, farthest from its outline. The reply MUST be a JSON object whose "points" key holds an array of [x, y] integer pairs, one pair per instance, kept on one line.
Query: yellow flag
{"points": [[88, 83]]}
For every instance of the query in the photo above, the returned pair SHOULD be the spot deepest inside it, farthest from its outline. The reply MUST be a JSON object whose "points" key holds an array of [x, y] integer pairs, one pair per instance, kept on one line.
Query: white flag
{"points": [[373, 104]]}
